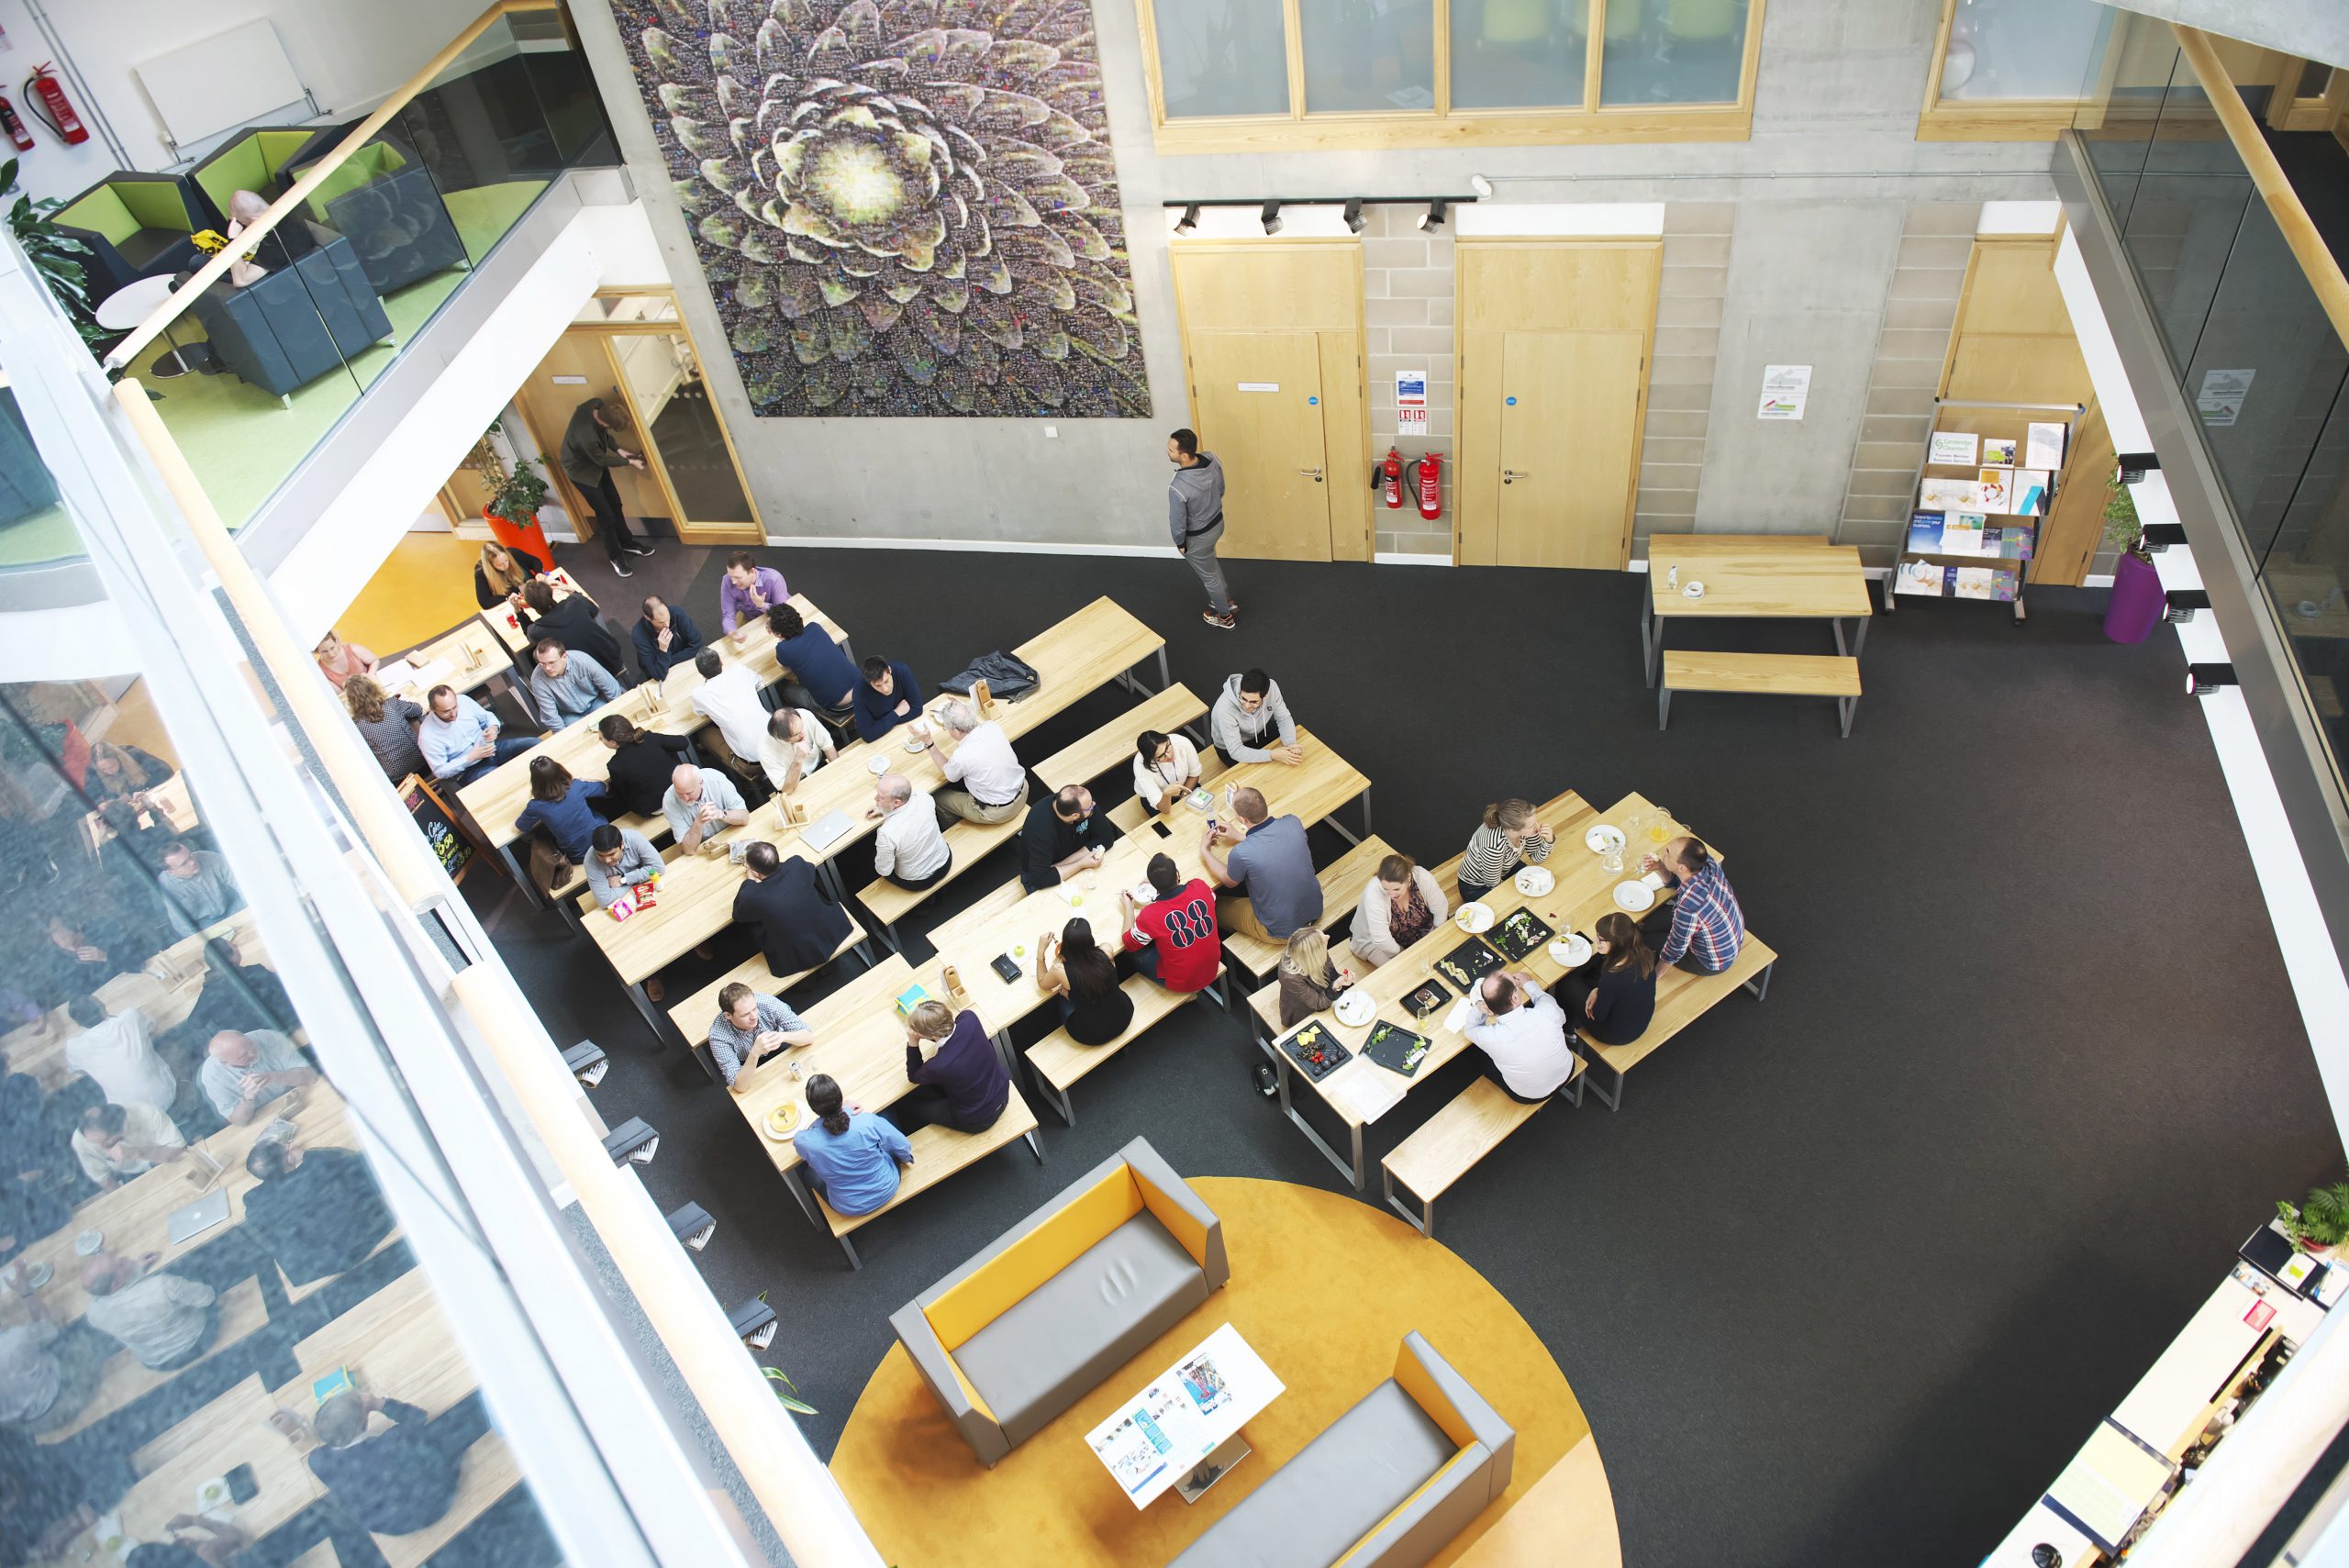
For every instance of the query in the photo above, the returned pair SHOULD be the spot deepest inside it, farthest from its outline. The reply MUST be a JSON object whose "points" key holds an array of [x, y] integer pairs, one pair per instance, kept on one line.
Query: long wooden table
{"points": [[475, 656], [1756, 576], [165, 989], [1361, 1091]]}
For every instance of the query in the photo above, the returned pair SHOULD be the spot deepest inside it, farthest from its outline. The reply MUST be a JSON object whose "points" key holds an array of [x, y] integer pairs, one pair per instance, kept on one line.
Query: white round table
{"points": [[126, 308]]}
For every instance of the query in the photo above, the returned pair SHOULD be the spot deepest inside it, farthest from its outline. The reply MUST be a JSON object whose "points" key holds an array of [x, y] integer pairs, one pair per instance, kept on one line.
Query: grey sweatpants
{"points": [[1199, 551]]}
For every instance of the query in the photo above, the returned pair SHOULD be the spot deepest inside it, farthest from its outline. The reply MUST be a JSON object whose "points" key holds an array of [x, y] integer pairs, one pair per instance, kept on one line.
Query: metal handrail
{"points": [[203, 278]]}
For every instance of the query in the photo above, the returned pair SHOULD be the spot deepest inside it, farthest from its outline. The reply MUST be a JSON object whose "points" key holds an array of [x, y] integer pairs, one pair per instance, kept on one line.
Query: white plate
{"points": [[1602, 838], [1535, 881], [87, 1243], [1634, 897], [879, 765], [35, 1276], [1474, 919], [1355, 1009], [1573, 953]]}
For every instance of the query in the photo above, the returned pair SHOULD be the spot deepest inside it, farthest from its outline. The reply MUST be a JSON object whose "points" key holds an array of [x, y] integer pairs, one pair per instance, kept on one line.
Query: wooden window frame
{"points": [[1298, 131], [2006, 119]]}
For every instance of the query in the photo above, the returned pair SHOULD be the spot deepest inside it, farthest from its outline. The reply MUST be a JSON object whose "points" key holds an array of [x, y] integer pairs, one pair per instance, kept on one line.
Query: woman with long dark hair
{"points": [[564, 807], [853, 1157], [1611, 998], [1094, 1008]]}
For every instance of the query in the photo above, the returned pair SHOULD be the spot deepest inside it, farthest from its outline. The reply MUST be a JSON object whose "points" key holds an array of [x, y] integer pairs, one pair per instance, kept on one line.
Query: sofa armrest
{"points": [[1178, 1207], [1463, 1414], [963, 1406], [1427, 1520]]}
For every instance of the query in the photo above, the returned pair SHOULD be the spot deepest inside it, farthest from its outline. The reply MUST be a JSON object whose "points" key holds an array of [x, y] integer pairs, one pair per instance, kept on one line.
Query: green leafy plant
{"points": [[519, 495], [2320, 1221], [2120, 525], [51, 252], [787, 1390]]}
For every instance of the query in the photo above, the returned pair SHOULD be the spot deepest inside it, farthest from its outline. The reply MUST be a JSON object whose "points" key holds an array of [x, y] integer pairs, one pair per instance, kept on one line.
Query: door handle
{"points": [[1314, 471], [1510, 477]]}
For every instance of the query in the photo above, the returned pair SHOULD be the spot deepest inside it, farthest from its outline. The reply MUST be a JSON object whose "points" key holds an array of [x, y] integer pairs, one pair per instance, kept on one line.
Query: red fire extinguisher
{"points": [[14, 127], [1432, 486], [59, 114], [1392, 469]]}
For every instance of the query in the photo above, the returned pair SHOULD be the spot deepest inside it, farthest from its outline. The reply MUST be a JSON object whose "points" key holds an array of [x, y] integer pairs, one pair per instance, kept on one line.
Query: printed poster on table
{"points": [[1785, 390], [1952, 448], [1183, 1416], [2043, 447]]}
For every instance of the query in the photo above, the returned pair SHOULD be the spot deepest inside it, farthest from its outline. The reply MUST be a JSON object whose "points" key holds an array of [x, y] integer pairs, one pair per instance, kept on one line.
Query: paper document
{"points": [[2108, 1482], [1184, 1415], [2043, 445]]}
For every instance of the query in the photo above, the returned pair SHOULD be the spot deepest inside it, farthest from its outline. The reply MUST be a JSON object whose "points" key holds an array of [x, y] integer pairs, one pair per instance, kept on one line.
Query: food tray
{"points": [[1317, 1051], [1396, 1047], [1467, 963], [1522, 932], [1428, 998]]}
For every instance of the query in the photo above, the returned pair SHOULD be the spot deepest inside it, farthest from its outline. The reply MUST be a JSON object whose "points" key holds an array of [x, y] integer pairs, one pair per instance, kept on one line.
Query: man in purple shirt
{"points": [[746, 593]]}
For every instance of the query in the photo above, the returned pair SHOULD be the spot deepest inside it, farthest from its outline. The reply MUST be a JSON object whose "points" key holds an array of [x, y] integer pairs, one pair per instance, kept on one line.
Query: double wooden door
{"points": [[1554, 349]]}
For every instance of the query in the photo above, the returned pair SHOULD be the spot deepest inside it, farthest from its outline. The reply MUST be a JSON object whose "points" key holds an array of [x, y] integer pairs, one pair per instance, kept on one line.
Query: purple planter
{"points": [[2137, 601]]}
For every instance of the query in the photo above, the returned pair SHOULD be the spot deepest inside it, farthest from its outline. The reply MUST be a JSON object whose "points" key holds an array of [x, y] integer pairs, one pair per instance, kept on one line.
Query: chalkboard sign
{"points": [[438, 828]]}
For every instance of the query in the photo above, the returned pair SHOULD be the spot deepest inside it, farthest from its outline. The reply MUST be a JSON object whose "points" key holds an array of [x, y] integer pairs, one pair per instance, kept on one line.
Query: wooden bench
{"points": [[950, 931], [485, 1472], [1131, 814], [1342, 881], [1447, 1144], [1763, 674], [1174, 708], [1061, 1062], [123, 1381], [693, 1016], [970, 843], [1681, 999], [939, 1153]]}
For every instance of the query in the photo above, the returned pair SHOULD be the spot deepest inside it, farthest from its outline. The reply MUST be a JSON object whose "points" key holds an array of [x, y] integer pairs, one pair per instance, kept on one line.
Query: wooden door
{"points": [[1552, 390], [577, 367], [1272, 339]]}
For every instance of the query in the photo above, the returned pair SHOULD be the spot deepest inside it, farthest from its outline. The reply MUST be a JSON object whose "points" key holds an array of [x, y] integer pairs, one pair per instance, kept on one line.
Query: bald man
{"points": [[244, 1070], [701, 801], [908, 850]]}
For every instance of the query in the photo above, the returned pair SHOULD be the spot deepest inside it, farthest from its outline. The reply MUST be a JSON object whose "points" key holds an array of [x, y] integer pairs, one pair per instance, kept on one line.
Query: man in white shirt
{"points": [[47, 1375], [164, 1320], [118, 1054], [114, 1142], [701, 801], [979, 758], [1522, 1032], [729, 699], [243, 1071], [908, 850], [794, 745]]}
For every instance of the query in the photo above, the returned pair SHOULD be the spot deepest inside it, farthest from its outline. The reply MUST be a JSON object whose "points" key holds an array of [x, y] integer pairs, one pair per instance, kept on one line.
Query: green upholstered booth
{"points": [[136, 226], [258, 161]]}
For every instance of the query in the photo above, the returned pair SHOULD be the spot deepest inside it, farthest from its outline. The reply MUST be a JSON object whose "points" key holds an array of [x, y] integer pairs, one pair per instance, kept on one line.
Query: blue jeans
{"points": [[505, 749]]}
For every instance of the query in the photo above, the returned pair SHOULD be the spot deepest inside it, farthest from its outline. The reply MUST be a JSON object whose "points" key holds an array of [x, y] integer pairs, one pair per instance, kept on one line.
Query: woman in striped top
{"points": [[1510, 835]]}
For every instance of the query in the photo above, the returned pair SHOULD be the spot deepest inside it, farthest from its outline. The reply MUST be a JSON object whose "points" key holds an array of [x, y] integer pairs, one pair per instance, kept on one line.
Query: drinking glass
{"points": [[1659, 825], [1613, 858]]}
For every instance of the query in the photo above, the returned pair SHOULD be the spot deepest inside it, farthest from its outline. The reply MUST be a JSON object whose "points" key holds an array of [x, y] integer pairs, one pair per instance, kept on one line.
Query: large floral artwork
{"points": [[906, 207]]}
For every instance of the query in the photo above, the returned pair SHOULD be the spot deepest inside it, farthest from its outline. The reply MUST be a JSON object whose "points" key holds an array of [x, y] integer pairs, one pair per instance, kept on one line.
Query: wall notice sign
{"points": [[1410, 389], [2221, 400], [1259, 386], [1785, 390], [568, 380], [1410, 421]]}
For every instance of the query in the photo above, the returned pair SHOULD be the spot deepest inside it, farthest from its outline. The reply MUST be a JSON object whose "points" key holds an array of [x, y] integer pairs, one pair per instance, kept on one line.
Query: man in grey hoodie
{"points": [[1195, 520], [1249, 713]]}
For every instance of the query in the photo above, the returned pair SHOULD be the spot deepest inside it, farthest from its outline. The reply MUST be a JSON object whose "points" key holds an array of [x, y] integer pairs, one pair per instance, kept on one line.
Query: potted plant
{"points": [[514, 495], [2120, 525], [53, 252], [2137, 599], [2319, 1222]]}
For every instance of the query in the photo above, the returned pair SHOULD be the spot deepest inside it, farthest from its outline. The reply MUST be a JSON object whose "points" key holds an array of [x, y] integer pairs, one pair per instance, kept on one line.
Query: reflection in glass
{"points": [[1221, 57], [1368, 55], [2303, 574], [628, 308], [33, 527], [1671, 51], [2022, 49], [1509, 54]]}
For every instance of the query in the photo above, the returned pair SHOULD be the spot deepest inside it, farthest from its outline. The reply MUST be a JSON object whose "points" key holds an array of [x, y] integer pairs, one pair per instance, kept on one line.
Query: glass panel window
{"points": [[2022, 49], [1367, 55], [1221, 57], [1518, 54], [1671, 51]]}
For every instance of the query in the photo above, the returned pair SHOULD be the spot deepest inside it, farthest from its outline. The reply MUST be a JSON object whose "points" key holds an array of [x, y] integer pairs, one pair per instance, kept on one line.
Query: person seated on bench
{"points": [[196, 1542], [642, 761], [565, 687], [729, 697], [701, 801], [245, 1069], [798, 927], [1166, 768], [500, 574], [574, 623], [162, 1319], [1310, 981], [460, 738], [619, 859], [317, 1212], [960, 1081], [1061, 838], [398, 1481], [748, 1029], [747, 592], [1398, 907], [565, 806], [114, 1142], [665, 636], [795, 744], [1508, 838], [1522, 1032], [1702, 929], [1095, 1010], [978, 757], [338, 662], [852, 1158], [1247, 713], [822, 677], [908, 850], [1611, 998], [1173, 937], [1271, 864], [888, 696]]}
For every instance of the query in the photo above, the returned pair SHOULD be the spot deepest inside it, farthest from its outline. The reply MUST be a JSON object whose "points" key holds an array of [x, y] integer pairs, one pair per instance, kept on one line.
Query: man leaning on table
{"points": [[664, 637], [909, 849], [747, 592], [162, 1319], [245, 1069], [748, 1029], [794, 745], [565, 687], [1269, 862], [1522, 1032], [1062, 838], [1702, 929], [458, 738], [114, 1143], [798, 927], [990, 783], [619, 859], [701, 801]]}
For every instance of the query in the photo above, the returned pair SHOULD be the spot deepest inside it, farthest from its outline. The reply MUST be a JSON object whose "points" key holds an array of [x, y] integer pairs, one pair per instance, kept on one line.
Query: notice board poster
{"points": [[440, 830]]}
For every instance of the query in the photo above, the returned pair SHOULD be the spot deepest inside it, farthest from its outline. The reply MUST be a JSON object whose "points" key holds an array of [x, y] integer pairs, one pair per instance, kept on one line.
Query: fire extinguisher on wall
{"points": [[53, 106], [1430, 469], [1391, 477], [14, 127]]}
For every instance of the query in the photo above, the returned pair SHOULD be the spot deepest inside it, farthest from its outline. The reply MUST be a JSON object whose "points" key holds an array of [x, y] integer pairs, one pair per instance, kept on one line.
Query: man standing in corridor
{"points": [[588, 456], [1195, 519]]}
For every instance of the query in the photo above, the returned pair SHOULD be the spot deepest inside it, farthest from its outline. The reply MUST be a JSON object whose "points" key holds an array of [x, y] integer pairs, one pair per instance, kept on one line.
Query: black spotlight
{"points": [[1189, 220], [1354, 216], [2201, 680], [2184, 602], [1433, 217], [2159, 536], [1271, 216], [2134, 466]]}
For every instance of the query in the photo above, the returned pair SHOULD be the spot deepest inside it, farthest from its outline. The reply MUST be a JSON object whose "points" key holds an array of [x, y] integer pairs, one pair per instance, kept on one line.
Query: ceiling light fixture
{"points": [[1433, 217], [1482, 186], [1354, 216], [1272, 217], [1189, 220]]}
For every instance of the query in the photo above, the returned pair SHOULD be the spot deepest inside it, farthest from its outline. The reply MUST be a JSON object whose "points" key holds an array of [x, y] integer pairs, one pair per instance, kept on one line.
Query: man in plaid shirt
{"points": [[1707, 926]]}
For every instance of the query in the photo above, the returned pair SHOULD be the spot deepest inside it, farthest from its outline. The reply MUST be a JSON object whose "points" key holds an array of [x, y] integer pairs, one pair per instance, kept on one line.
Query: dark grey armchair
{"points": [[298, 323], [389, 208]]}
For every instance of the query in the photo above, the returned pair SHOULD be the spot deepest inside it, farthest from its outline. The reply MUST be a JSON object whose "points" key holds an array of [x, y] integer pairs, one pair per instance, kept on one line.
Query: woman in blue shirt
{"points": [[855, 1159], [559, 803]]}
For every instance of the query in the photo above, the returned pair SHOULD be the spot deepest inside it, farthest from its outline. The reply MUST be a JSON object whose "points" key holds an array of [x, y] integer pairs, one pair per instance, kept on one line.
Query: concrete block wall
{"points": [[1919, 310], [1409, 298], [1697, 237]]}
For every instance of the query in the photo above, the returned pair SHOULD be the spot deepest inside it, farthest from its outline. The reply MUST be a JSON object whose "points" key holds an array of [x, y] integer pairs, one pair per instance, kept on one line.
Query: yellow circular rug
{"points": [[1324, 1287]]}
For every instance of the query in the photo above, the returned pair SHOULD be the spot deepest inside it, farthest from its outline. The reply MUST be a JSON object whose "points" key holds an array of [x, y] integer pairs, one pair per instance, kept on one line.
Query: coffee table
{"points": [[1183, 1431]]}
